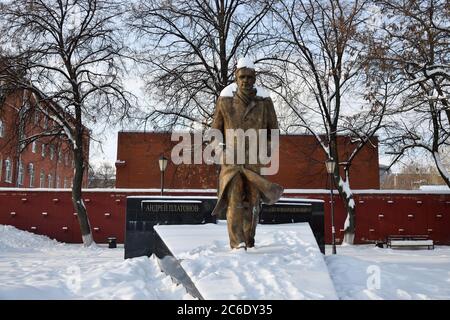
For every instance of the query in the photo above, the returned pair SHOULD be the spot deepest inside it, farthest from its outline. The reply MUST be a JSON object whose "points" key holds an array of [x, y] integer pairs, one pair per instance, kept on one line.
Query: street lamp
{"points": [[331, 165], [162, 167]]}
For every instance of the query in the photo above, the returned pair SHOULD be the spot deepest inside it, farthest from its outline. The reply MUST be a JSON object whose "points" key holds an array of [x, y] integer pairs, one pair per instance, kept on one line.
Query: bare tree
{"points": [[190, 50], [102, 176], [415, 45], [68, 54], [325, 76]]}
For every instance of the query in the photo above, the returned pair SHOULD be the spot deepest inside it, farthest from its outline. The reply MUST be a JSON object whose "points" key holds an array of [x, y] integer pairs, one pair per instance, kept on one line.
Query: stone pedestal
{"points": [[144, 212]]}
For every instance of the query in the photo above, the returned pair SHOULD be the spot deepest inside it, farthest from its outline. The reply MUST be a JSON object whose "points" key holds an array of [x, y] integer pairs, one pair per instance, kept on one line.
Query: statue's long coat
{"points": [[232, 113]]}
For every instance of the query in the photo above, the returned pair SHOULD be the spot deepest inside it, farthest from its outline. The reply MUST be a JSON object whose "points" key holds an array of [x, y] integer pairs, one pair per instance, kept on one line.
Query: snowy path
{"points": [[35, 267], [286, 264]]}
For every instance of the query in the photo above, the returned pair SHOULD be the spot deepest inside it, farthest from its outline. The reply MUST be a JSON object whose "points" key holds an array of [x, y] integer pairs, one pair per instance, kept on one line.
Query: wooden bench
{"points": [[409, 241]]}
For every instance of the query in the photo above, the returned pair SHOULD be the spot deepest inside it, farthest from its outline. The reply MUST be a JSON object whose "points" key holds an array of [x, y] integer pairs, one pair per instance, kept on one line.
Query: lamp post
{"points": [[331, 165], [162, 167]]}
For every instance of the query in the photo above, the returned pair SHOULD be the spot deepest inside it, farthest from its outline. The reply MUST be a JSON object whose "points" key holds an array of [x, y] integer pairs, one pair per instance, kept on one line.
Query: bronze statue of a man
{"points": [[241, 187]]}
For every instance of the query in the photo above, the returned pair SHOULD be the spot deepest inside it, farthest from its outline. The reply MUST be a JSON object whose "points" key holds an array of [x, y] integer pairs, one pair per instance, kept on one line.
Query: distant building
{"points": [[385, 171], [95, 182], [302, 164], [410, 181], [44, 163]]}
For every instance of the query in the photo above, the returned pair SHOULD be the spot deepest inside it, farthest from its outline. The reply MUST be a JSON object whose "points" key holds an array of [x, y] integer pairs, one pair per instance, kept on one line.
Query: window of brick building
{"points": [[1, 166], [31, 173], [57, 182], [2, 129], [42, 179], [8, 170], [36, 117], [50, 181], [52, 152], [21, 174], [66, 182], [34, 147], [43, 150]]}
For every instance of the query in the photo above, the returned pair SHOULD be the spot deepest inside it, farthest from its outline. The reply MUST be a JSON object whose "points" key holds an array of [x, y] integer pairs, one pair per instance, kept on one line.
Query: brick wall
{"points": [[302, 164], [378, 213]]}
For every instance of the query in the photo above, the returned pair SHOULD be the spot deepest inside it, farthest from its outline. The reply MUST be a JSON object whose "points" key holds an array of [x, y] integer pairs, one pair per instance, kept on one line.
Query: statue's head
{"points": [[245, 75]]}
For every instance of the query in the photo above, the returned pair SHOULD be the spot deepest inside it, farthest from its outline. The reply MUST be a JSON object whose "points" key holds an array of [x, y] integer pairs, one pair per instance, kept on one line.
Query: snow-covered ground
{"points": [[368, 272], [35, 267]]}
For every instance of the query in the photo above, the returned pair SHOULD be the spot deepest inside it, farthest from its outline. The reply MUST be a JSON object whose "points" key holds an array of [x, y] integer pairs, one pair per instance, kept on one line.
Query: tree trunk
{"points": [[77, 200], [347, 197], [345, 192]]}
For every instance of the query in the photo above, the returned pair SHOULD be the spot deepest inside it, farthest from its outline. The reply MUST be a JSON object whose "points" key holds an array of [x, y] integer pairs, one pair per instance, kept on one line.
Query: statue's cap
{"points": [[245, 63]]}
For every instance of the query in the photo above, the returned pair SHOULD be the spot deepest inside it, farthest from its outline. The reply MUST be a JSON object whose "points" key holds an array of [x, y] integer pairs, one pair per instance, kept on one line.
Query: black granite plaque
{"points": [[145, 212], [291, 210]]}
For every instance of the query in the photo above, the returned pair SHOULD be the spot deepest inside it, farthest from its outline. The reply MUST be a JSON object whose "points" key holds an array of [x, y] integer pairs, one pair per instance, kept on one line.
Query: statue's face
{"points": [[245, 79]]}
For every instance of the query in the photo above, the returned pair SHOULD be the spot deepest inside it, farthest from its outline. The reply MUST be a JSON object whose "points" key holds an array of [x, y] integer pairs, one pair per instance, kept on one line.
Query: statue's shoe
{"points": [[241, 247]]}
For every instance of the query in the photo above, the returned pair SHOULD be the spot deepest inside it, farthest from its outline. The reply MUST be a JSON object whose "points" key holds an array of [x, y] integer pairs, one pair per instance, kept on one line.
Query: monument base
{"points": [[285, 264], [145, 212]]}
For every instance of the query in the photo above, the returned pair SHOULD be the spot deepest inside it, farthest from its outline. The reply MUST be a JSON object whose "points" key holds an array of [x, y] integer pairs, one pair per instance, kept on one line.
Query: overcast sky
{"points": [[106, 149]]}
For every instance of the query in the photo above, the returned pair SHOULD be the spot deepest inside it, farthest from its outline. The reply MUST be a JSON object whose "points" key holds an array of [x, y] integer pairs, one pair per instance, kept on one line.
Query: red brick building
{"points": [[302, 164], [44, 163]]}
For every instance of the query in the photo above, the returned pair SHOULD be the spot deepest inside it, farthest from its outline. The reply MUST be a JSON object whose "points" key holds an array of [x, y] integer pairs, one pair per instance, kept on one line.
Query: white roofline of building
{"points": [[286, 191]]}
